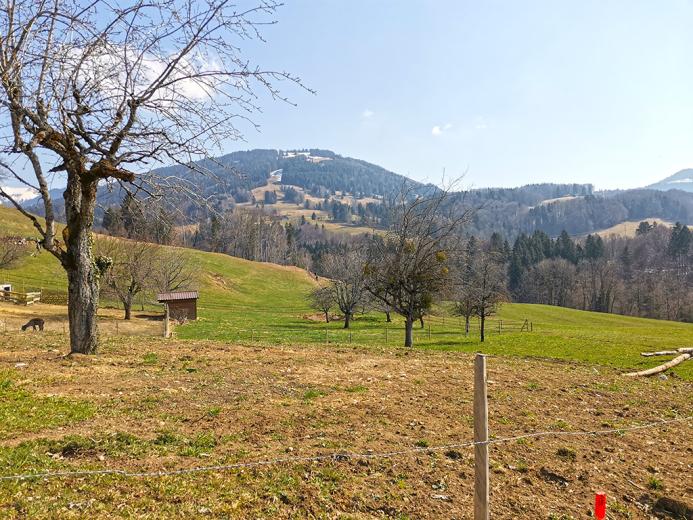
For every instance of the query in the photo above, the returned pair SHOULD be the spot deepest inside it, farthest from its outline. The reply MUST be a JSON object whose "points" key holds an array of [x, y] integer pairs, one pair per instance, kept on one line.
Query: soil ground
{"points": [[154, 404]]}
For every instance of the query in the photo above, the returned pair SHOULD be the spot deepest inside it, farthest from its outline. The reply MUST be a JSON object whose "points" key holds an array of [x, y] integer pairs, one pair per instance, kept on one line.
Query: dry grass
{"points": [[111, 322], [161, 404], [627, 229]]}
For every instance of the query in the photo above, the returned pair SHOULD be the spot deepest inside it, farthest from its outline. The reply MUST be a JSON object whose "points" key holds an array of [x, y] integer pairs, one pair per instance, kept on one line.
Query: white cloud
{"points": [[480, 123], [438, 129], [367, 114]]}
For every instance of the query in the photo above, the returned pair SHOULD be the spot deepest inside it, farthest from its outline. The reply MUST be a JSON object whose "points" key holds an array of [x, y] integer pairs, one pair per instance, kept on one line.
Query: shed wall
{"points": [[183, 309]]}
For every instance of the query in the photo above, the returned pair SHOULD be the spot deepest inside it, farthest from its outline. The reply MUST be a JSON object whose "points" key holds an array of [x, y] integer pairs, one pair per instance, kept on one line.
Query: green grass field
{"points": [[253, 302]]}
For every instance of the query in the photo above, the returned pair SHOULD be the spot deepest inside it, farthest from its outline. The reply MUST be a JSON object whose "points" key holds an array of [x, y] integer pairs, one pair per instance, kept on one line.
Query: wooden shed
{"points": [[182, 305]]}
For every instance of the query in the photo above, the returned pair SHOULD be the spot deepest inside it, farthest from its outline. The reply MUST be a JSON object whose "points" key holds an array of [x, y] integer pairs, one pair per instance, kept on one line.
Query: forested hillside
{"points": [[548, 207], [221, 183]]}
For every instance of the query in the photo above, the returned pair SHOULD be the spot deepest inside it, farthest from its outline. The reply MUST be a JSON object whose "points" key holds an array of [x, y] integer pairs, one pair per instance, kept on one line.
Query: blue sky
{"points": [[508, 92]]}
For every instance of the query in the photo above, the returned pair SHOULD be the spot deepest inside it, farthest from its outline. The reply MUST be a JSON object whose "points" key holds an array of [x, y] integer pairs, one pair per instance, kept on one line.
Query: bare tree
{"points": [[132, 269], [462, 291], [551, 281], [348, 282], [408, 267], [12, 249], [322, 299], [94, 92], [173, 271], [377, 305], [488, 287]]}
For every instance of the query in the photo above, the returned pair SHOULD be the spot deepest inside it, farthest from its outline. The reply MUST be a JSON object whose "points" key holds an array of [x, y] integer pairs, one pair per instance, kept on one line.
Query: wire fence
{"points": [[433, 332], [335, 456]]}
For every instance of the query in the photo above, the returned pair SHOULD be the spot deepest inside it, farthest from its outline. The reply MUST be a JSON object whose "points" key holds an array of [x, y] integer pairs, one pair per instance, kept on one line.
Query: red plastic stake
{"points": [[600, 506]]}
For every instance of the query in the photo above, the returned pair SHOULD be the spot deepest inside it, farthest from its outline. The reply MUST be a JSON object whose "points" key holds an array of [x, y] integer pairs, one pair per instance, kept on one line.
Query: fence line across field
{"points": [[342, 335], [337, 456]]}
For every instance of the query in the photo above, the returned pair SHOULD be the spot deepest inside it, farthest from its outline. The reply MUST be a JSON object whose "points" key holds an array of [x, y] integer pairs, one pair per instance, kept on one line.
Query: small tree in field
{"points": [[97, 92], [347, 284], [462, 290], [408, 267], [321, 299], [132, 269], [487, 287], [465, 306]]}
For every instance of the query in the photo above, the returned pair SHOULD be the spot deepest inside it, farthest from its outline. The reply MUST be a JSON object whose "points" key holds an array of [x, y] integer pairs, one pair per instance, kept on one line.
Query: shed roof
{"points": [[181, 295]]}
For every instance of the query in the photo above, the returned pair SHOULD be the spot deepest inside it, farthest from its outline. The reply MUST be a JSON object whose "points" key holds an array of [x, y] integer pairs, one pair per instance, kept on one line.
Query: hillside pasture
{"points": [[255, 302], [628, 228]]}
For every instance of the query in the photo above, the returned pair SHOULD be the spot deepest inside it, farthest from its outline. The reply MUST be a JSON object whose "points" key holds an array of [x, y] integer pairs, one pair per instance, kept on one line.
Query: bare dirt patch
{"points": [[184, 404]]}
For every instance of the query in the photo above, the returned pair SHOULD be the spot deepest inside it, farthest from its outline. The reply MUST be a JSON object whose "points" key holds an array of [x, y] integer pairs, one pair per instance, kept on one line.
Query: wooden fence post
{"points": [[481, 483], [429, 331], [167, 330]]}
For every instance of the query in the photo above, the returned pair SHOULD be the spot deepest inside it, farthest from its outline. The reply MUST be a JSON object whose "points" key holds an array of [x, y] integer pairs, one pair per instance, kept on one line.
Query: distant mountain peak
{"points": [[682, 180]]}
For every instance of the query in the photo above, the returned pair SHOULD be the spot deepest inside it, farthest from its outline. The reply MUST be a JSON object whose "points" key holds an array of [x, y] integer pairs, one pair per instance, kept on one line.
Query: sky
{"points": [[503, 92]]}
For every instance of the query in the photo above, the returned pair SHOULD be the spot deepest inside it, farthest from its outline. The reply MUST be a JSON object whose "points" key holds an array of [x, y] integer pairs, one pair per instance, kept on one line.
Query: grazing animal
{"points": [[35, 323]]}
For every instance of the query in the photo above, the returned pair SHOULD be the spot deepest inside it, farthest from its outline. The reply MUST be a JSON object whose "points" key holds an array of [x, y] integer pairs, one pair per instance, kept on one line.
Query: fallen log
{"points": [[661, 368], [685, 350], [660, 353]]}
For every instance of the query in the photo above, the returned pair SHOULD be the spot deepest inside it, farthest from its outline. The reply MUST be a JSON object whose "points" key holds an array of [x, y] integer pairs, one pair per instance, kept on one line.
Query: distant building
{"points": [[182, 305]]}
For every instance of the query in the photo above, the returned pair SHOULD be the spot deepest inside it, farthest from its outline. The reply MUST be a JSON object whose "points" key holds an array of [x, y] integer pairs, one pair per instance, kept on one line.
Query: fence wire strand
{"points": [[336, 457]]}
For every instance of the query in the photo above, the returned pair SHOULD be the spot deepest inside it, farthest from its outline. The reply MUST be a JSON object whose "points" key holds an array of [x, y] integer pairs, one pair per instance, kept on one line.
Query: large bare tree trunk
{"points": [[466, 325], [483, 324], [347, 319], [127, 306], [409, 332], [82, 272]]}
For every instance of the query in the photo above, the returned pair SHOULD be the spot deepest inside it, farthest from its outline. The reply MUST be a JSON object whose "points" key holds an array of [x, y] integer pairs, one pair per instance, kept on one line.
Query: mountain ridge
{"points": [[681, 180], [320, 174]]}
